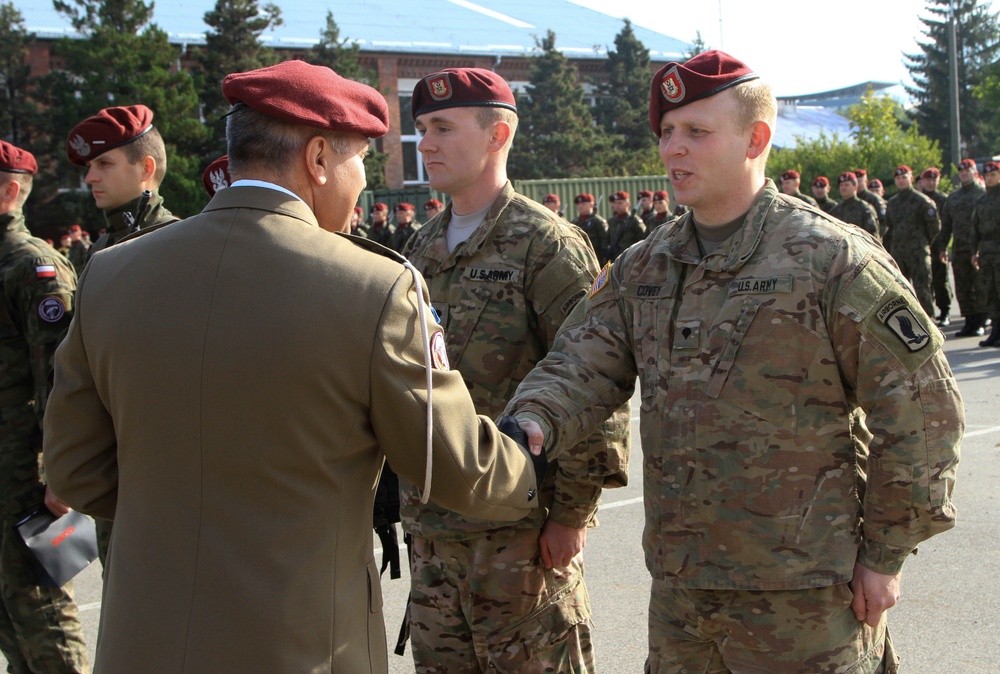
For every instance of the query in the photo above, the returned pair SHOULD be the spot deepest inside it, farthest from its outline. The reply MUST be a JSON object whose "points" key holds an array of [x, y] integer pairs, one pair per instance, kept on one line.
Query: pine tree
{"points": [[232, 45], [697, 47], [556, 136], [18, 109], [977, 45]]}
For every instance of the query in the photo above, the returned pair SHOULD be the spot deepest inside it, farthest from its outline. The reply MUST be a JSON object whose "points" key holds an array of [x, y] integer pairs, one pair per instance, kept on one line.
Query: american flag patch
{"points": [[45, 271]]}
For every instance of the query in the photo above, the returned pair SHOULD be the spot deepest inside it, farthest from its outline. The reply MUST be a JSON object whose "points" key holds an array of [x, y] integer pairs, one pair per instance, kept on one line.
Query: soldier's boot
{"points": [[973, 326], [994, 338]]}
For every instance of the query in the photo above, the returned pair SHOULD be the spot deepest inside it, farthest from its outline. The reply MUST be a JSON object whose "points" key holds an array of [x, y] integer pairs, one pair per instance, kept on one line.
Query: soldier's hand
{"points": [[535, 436], [560, 544], [943, 257], [55, 506], [874, 593]]}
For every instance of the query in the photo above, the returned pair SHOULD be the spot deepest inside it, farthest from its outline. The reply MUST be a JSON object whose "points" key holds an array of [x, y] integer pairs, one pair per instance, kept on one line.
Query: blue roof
{"points": [[449, 27], [807, 123]]}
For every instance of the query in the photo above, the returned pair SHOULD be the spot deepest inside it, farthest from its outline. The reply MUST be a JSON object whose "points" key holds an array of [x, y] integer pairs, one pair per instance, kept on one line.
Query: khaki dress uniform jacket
{"points": [[235, 435]]}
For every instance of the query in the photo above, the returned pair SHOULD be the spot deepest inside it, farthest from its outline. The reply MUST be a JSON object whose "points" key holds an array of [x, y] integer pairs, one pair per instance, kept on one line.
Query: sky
{"points": [[798, 48]]}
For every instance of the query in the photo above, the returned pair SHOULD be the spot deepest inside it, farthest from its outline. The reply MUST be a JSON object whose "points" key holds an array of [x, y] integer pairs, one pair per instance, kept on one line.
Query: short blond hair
{"points": [[489, 115]]}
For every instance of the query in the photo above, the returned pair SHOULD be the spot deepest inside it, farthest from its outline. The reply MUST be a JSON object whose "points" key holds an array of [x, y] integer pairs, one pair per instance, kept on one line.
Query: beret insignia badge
{"points": [[440, 87], [79, 145], [672, 86]]}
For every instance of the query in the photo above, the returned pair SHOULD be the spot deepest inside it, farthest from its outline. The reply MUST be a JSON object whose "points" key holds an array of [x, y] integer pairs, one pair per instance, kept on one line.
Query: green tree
{"points": [[697, 47], [622, 107], [232, 45], [978, 46], [823, 156], [556, 135], [15, 73]]}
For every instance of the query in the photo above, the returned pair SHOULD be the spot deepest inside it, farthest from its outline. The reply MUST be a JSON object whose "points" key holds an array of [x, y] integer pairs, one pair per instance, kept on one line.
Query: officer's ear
{"points": [[317, 159], [760, 138], [10, 192]]}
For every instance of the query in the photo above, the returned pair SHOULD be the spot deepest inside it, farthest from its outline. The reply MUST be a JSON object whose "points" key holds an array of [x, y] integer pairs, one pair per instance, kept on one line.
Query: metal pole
{"points": [[956, 129]]}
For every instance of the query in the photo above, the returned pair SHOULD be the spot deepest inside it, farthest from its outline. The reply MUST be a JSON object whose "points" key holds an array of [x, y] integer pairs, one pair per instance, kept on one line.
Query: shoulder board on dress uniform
{"points": [[374, 247]]}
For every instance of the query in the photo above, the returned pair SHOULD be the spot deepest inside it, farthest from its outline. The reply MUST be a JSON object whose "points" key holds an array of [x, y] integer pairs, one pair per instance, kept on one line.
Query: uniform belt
{"points": [[16, 396]]}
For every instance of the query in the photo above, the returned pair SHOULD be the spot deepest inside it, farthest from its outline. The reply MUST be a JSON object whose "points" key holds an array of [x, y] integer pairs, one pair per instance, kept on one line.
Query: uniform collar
{"points": [[438, 250], [12, 222]]}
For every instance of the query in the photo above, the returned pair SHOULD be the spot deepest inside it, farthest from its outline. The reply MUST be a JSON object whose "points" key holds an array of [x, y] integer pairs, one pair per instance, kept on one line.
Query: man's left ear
{"points": [[760, 137]]}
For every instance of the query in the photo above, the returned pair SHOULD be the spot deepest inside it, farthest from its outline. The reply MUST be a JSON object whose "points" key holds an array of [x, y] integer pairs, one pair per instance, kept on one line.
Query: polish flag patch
{"points": [[45, 271]]}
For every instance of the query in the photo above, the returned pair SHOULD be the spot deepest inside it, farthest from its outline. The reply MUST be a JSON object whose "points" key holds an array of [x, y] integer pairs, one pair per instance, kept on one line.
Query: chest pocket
{"points": [[486, 328], [764, 364]]}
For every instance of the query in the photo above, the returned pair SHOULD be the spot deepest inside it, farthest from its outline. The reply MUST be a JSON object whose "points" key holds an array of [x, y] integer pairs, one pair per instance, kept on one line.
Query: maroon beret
{"points": [[932, 172], [903, 169], [660, 195], [619, 196], [75, 228], [379, 206], [967, 164], [108, 129], [216, 176], [359, 210], [821, 181], [847, 177], [645, 193], [301, 93], [990, 167], [677, 84], [404, 206], [461, 88], [875, 182], [550, 199], [790, 175], [433, 203], [583, 198], [15, 160], [860, 173]]}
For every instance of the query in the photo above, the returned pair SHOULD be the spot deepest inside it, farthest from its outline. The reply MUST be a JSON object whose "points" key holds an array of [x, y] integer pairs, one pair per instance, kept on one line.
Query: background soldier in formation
{"points": [[381, 230], [661, 214], [431, 208], [876, 201], [986, 247], [79, 248], [644, 209], [39, 628], [552, 202], [957, 229], [593, 225], [911, 225], [821, 190], [790, 181], [851, 209], [358, 226], [624, 227], [929, 181], [405, 225], [876, 188]]}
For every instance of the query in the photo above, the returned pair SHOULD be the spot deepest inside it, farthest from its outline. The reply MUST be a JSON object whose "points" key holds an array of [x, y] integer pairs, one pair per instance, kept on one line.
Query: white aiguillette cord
{"points": [[425, 336]]}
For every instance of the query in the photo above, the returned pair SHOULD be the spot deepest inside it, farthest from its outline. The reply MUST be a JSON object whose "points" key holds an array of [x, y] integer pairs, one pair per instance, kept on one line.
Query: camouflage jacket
{"points": [[36, 304], [809, 200], [911, 223], [986, 224], [501, 296], [623, 231], [956, 218], [879, 204], [656, 219], [401, 234], [752, 364], [854, 211], [154, 216], [596, 229], [827, 204], [940, 199]]}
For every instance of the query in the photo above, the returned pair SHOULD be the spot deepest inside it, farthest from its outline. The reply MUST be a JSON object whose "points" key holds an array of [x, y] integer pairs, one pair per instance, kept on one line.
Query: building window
{"points": [[413, 163]]}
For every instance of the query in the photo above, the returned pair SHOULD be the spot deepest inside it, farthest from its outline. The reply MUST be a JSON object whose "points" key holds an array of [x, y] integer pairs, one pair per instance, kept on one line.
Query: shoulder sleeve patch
{"points": [[601, 280]]}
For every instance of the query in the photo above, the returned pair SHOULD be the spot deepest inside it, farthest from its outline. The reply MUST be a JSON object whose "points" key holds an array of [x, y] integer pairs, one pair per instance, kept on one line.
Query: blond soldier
{"points": [[758, 328]]}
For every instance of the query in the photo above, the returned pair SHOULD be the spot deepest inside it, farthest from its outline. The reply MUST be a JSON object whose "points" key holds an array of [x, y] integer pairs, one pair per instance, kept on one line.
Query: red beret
{"points": [[75, 228], [660, 195], [359, 210], [461, 88], [216, 176], [932, 172], [847, 177], [677, 84], [551, 198], [15, 160], [790, 174], [990, 167], [108, 129], [967, 164], [875, 182], [301, 93], [860, 173], [379, 206], [433, 203], [645, 193], [583, 198], [619, 196], [821, 181], [903, 169], [404, 206]]}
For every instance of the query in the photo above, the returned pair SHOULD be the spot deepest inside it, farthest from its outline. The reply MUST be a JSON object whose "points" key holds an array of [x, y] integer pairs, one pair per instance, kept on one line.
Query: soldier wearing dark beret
{"points": [[431, 208], [877, 201], [236, 433], [358, 226], [957, 230], [986, 247], [553, 203], [940, 281], [644, 209], [790, 182], [380, 230], [851, 209], [592, 224], [216, 177], [911, 225], [406, 225], [125, 158], [769, 341], [661, 213], [39, 628], [821, 191], [624, 226]]}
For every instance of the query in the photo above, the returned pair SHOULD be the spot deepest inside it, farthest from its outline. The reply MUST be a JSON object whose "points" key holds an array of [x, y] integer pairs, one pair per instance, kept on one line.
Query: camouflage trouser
{"points": [[989, 267], [941, 283], [489, 605], [970, 288], [776, 632], [916, 268]]}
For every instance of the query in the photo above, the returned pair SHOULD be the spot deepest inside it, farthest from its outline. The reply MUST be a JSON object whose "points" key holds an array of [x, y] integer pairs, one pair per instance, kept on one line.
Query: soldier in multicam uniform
{"points": [[940, 282], [503, 273], [821, 190], [956, 228], [790, 182], [877, 201], [986, 246], [911, 225], [39, 628], [661, 211], [758, 329], [624, 227], [405, 225], [851, 209], [593, 225], [124, 156]]}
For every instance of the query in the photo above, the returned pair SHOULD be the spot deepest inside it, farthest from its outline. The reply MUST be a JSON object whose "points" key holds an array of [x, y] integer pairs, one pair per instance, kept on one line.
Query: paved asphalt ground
{"points": [[948, 621]]}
